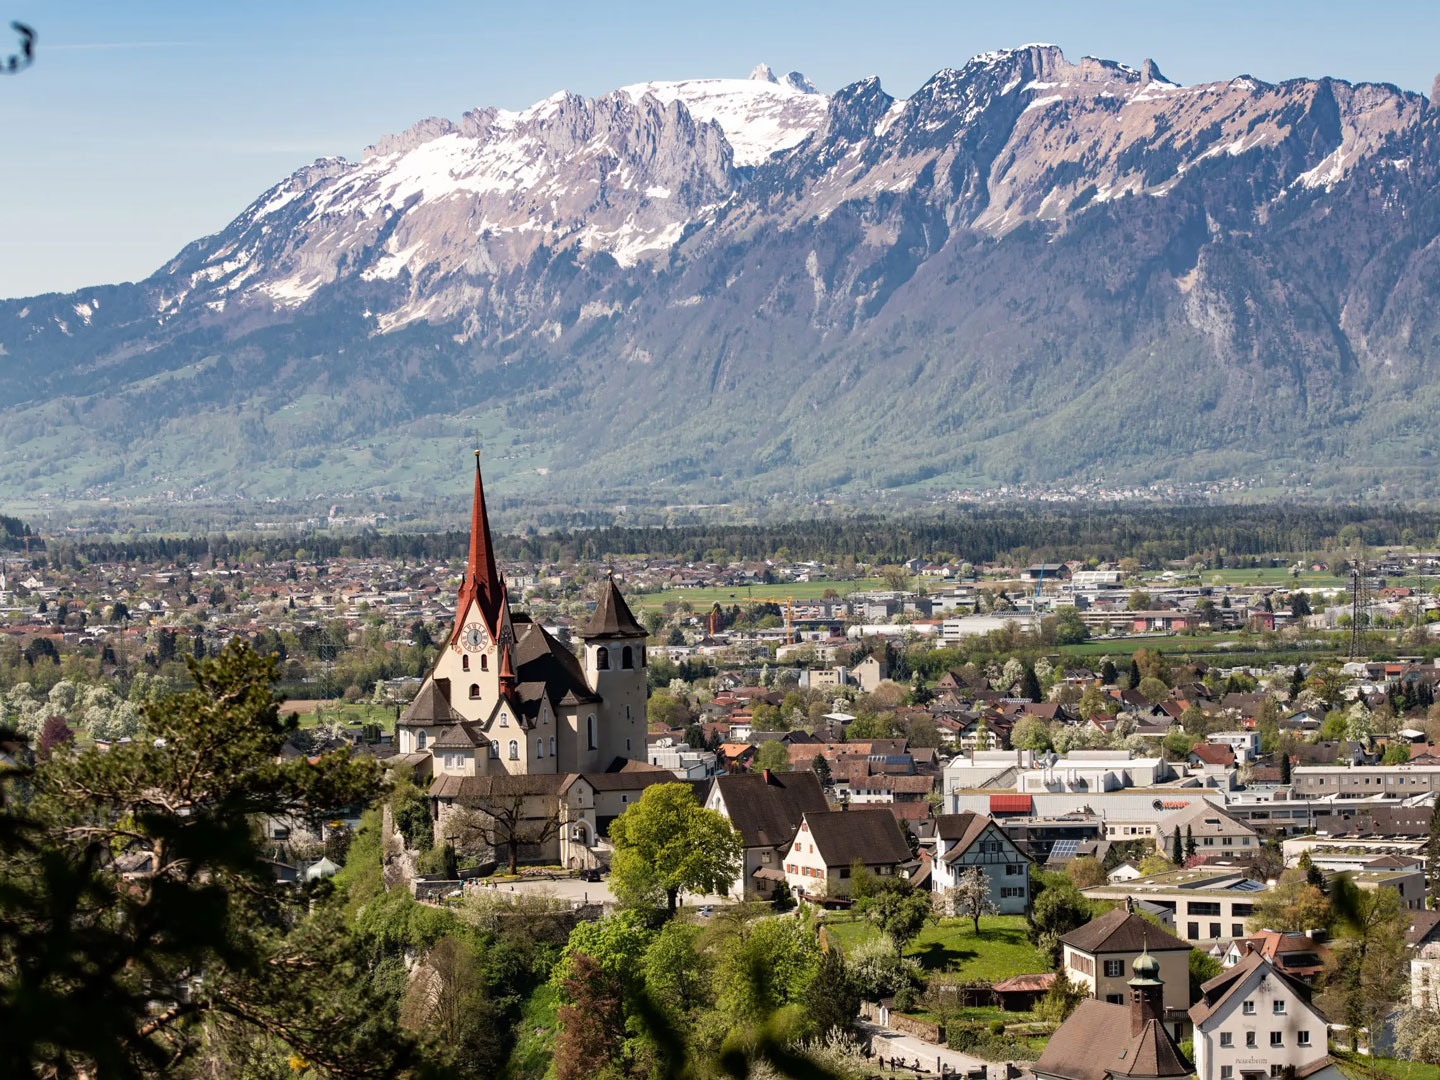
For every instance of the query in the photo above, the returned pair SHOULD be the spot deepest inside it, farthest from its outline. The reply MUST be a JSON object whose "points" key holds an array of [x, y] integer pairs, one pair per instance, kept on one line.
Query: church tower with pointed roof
{"points": [[506, 698], [615, 666]]}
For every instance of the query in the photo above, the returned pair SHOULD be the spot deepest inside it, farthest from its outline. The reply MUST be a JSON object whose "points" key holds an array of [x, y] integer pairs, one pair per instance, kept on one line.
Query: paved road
{"points": [[890, 1043], [577, 891]]}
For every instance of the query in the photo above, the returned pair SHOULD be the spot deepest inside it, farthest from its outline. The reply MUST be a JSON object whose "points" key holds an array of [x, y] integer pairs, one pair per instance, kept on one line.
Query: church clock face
{"points": [[473, 637]]}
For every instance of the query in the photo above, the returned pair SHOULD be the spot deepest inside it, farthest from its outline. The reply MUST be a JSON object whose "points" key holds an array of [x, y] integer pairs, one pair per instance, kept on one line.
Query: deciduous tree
{"points": [[667, 843]]}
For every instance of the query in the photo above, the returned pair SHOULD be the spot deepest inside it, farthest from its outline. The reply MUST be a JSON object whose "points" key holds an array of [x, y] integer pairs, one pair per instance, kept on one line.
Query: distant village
{"points": [[926, 723]]}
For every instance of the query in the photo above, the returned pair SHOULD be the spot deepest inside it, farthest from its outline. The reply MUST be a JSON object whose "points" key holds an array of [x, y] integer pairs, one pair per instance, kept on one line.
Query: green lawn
{"points": [[700, 600], [1362, 1067], [1159, 643], [1001, 950], [384, 715]]}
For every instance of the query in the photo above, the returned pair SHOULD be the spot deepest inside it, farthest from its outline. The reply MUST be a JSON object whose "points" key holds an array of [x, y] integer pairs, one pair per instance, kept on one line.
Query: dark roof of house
{"points": [[611, 617], [766, 809], [872, 837], [960, 830], [1421, 926], [1095, 1043], [1214, 993], [431, 705], [1120, 930]]}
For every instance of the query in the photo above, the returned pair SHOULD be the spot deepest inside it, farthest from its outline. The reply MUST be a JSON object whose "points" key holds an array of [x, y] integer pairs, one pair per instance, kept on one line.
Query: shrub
{"points": [[997, 1027]]}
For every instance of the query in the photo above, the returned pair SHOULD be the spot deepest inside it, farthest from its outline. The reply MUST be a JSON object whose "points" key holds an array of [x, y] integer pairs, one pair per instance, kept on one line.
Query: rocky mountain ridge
{"points": [[1020, 224]]}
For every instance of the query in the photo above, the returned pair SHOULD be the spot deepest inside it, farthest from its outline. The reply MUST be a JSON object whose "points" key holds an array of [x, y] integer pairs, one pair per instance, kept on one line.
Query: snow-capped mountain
{"points": [[1003, 248]]}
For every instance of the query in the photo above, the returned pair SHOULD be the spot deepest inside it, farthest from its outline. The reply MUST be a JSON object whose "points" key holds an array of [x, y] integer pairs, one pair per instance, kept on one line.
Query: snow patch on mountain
{"points": [[760, 116]]}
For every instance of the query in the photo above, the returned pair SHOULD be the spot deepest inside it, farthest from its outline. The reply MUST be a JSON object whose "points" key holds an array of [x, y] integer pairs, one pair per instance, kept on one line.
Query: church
{"points": [[507, 706], [505, 697]]}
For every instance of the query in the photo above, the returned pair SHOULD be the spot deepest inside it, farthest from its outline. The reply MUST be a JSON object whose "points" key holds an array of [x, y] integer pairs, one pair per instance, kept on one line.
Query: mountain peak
{"points": [[762, 73]]}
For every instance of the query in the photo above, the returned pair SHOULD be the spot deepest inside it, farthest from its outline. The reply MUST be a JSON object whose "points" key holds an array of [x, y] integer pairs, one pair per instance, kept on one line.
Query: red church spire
{"points": [[507, 673], [482, 583]]}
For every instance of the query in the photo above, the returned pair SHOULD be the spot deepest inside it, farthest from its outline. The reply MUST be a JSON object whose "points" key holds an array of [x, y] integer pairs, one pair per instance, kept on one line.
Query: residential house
{"points": [[1214, 831], [1254, 1021], [870, 673], [766, 808], [1293, 953], [1099, 955], [827, 845], [970, 840]]}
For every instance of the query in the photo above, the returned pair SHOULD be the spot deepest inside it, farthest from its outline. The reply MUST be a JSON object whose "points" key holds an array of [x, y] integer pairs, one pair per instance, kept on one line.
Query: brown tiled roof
{"points": [[872, 836], [1421, 924], [1095, 1043], [1122, 931], [612, 617], [1019, 983], [766, 812]]}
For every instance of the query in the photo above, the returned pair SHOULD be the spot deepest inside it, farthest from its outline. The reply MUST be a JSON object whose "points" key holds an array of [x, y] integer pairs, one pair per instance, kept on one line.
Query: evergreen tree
{"points": [[1108, 674], [1030, 685], [1134, 674], [1177, 852], [1189, 842], [1284, 767], [97, 968]]}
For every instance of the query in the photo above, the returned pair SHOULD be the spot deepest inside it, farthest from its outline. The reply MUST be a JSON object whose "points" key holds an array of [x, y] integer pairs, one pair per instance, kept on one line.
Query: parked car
{"points": [[591, 874]]}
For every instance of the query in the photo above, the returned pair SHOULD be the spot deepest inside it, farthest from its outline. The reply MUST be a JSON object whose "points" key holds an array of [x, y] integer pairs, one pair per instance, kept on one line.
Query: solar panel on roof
{"points": [[1064, 849]]}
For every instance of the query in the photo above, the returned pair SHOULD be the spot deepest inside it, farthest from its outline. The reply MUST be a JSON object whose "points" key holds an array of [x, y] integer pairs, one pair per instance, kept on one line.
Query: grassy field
{"points": [[1001, 950], [701, 599], [1363, 1067], [1162, 643], [312, 712]]}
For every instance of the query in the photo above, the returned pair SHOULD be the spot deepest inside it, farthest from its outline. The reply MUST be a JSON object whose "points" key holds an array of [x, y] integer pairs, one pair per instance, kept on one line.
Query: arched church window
{"points": [[539, 748], [514, 750], [484, 662], [642, 655], [495, 748], [627, 658], [602, 659], [465, 662], [552, 745], [474, 690], [420, 740], [590, 731]]}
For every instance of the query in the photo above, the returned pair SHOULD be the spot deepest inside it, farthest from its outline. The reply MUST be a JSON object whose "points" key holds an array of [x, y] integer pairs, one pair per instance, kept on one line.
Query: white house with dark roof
{"points": [[1253, 1022], [766, 809], [967, 840], [827, 846]]}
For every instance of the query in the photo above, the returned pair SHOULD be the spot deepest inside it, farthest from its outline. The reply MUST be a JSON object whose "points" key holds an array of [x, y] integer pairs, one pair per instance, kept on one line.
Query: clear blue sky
{"points": [[145, 125]]}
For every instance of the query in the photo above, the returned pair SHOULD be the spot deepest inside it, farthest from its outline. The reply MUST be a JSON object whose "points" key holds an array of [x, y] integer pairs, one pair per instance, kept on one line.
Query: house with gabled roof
{"points": [[1253, 1022], [766, 809], [1098, 956], [828, 845], [970, 839]]}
